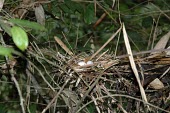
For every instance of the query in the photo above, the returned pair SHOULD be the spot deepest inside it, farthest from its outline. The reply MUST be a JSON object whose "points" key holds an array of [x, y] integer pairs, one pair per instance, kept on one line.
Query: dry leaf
{"points": [[162, 42], [132, 63], [63, 45], [1, 4], [40, 15], [156, 84]]}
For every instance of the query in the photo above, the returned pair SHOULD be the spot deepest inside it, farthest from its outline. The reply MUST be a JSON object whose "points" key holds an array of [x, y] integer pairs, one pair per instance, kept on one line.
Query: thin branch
{"points": [[111, 38], [18, 89], [56, 96]]}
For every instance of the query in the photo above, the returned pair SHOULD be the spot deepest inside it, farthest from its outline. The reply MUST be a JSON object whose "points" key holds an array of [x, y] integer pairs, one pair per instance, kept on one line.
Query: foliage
{"points": [[28, 24], [19, 37], [79, 24], [6, 51]]}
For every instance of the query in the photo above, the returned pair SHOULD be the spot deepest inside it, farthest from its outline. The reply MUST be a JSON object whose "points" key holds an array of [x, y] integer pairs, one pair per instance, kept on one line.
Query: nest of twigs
{"points": [[98, 83]]}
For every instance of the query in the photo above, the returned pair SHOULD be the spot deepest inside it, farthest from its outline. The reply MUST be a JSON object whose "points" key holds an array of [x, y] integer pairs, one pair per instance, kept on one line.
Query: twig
{"points": [[35, 83], [66, 49], [111, 38], [95, 103], [56, 96], [166, 71], [67, 41], [121, 95], [99, 20], [161, 11], [143, 52], [89, 90], [18, 88], [102, 55], [27, 99], [155, 34], [14, 79], [118, 104], [45, 80]]}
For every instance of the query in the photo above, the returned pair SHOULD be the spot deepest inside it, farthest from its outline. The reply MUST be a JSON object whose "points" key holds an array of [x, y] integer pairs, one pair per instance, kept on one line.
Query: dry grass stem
{"points": [[67, 50], [19, 90], [111, 38], [129, 51]]}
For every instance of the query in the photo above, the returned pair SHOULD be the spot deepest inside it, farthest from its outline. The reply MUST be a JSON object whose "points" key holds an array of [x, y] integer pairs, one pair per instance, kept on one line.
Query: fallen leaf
{"points": [[40, 15], [161, 44], [156, 84]]}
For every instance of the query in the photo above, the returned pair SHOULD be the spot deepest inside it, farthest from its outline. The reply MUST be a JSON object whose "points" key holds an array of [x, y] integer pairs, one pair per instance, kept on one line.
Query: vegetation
{"points": [[84, 56]]}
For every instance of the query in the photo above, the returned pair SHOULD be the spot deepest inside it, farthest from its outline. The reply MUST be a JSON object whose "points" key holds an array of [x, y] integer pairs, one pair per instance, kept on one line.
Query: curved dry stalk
{"points": [[132, 63]]}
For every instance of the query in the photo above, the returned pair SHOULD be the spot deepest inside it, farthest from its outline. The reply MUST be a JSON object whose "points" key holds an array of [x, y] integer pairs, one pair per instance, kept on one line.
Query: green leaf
{"points": [[28, 24], [65, 8], [89, 14], [19, 37], [5, 51], [147, 22], [3, 109], [33, 108], [124, 7], [74, 6], [149, 9]]}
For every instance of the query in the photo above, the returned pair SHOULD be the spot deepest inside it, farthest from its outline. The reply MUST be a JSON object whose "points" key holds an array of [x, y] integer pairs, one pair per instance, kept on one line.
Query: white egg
{"points": [[81, 63], [89, 62]]}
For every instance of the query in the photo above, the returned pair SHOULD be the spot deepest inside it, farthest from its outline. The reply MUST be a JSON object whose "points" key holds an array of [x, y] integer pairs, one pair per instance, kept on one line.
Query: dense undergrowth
{"points": [[75, 56]]}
